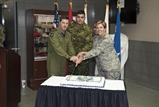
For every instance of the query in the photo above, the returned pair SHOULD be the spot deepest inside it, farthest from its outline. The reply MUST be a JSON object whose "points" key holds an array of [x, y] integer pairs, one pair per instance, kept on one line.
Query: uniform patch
{"points": [[52, 34]]}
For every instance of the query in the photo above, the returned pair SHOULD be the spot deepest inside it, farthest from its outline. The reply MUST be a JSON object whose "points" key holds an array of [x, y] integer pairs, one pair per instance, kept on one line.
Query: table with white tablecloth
{"points": [[51, 94]]}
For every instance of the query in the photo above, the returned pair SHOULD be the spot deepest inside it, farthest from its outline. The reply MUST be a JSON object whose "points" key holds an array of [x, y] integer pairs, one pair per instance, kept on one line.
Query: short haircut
{"points": [[63, 17], [95, 24], [101, 22], [80, 12]]}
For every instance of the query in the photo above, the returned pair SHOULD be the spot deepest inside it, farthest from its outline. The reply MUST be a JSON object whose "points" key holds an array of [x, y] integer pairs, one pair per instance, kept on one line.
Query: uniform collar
{"points": [[74, 24], [62, 34], [97, 36]]}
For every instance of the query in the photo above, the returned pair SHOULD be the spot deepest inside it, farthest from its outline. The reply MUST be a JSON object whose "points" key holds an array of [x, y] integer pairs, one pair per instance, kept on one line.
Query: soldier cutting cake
{"points": [[103, 50]]}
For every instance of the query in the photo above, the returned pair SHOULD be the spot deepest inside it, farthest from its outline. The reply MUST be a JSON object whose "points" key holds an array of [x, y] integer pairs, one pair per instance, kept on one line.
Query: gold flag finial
{"points": [[55, 3], [118, 5], [70, 3], [85, 5]]}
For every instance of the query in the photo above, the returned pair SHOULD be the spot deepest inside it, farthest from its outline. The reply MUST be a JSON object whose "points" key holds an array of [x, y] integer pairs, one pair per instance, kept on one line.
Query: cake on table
{"points": [[83, 81]]}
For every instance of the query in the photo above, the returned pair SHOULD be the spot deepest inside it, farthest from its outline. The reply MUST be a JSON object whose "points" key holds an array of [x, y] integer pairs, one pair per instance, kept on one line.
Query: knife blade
{"points": [[72, 72]]}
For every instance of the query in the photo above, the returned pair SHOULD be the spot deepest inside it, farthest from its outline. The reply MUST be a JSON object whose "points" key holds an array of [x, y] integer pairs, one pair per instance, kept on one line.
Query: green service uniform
{"points": [[60, 48], [82, 41]]}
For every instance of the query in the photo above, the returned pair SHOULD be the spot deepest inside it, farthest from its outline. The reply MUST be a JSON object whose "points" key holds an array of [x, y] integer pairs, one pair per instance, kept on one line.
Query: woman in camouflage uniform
{"points": [[103, 50]]}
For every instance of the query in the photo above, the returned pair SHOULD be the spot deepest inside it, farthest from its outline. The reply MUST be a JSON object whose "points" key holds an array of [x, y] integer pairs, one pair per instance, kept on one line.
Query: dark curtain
{"points": [[48, 96]]}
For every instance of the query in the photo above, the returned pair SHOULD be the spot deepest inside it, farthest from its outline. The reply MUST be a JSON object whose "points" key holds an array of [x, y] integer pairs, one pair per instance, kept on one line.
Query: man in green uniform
{"points": [[60, 48], [82, 41]]}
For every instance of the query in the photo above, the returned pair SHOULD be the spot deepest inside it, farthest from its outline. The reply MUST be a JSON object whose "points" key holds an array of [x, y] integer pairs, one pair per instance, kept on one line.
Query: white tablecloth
{"points": [[109, 84]]}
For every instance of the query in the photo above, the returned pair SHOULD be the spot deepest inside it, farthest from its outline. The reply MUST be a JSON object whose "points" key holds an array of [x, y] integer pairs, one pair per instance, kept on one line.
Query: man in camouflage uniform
{"points": [[2, 35], [104, 52], [82, 41], [60, 48]]}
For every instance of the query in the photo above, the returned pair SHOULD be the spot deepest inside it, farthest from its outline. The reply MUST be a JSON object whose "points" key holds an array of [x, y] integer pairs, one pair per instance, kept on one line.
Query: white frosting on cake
{"points": [[83, 81]]}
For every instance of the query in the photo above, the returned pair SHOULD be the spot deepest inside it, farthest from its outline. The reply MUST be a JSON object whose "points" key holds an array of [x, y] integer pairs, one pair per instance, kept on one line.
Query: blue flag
{"points": [[117, 35], [56, 16]]}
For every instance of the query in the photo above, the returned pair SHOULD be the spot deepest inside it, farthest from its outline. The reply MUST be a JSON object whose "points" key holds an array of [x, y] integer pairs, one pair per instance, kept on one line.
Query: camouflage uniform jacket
{"points": [[2, 35], [106, 57], [60, 48], [82, 41]]}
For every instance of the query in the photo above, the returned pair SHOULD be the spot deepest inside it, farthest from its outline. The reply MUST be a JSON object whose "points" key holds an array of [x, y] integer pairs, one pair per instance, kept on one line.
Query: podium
{"points": [[10, 78]]}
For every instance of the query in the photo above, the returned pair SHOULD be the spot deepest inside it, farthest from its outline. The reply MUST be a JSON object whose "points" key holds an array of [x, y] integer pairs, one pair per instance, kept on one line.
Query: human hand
{"points": [[80, 59], [81, 54], [74, 58]]}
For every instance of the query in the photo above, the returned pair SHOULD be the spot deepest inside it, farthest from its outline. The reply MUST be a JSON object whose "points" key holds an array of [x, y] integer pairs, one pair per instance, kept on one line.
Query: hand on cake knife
{"points": [[80, 59]]}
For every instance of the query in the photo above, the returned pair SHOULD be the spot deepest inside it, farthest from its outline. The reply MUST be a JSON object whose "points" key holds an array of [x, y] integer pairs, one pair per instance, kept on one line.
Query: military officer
{"points": [[104, 52], [60, 48], [82, 41]]}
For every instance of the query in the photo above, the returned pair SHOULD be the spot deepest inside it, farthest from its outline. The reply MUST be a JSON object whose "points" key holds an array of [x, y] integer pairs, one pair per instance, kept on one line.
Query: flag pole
{"points": [[118, 6], [86, 11], [107, 6], [107, 17], [55, 3], [117, 33], [55, 22], [70, 12]]}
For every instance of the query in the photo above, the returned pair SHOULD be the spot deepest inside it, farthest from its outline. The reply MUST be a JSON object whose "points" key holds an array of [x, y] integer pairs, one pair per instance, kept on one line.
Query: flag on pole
{"points": [[56, 16], [85, 10], [117, 34], [70, 12], [107, 18], [70, 20]]}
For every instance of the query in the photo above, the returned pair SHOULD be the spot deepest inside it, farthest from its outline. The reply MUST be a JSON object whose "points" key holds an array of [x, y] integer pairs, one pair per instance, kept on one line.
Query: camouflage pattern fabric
{"points": [[106, 57], [2, 35], [82, 41]]}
